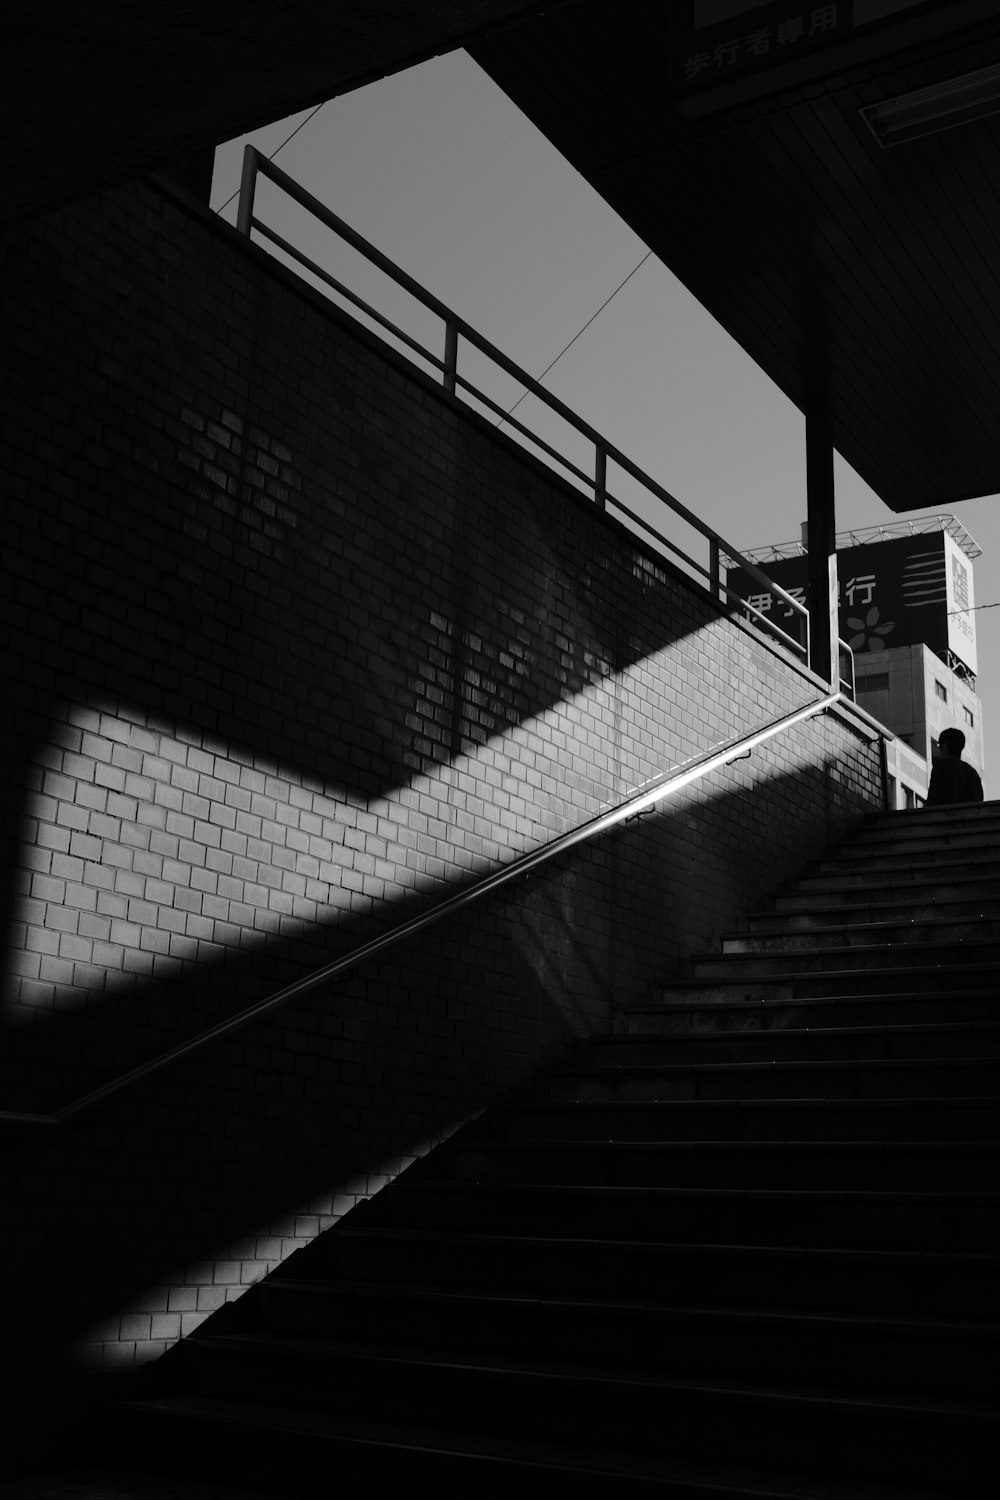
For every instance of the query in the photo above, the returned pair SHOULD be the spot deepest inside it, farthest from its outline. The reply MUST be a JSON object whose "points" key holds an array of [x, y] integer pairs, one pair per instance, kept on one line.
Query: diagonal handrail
{"points": [[638, 801]]}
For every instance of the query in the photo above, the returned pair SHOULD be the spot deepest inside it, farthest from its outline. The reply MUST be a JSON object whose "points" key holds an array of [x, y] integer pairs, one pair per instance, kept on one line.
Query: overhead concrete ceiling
{"points": [[852, 273], [96, 92]]}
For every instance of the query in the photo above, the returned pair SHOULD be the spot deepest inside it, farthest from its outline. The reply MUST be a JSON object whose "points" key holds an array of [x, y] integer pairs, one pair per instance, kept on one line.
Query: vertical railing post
{"points": [[887, 801], [450, 356], [248, 184], [714, 570], [601, 475], [824, 634]]}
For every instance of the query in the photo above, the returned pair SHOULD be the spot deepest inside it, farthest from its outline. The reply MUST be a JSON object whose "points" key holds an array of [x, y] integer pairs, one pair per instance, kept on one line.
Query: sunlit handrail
{"points": [[456, 329], [646, 796]]}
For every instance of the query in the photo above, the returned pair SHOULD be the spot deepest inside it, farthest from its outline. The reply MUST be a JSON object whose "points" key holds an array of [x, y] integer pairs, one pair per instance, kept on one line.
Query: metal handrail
{"points": [[457, 329], [846, 654], [638, 801]]}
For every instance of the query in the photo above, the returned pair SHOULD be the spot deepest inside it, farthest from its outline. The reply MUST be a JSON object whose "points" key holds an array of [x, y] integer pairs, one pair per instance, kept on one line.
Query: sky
{"points": [[441, 172]]}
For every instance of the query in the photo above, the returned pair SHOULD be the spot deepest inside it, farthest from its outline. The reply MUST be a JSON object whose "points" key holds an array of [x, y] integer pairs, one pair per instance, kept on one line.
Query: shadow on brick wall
{"points": [[137, 1222], [230, 506]]}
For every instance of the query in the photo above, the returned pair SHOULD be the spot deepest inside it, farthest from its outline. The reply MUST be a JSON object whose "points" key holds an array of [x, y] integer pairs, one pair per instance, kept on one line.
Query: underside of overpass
{"points": [[819, 176], [853, 258]]}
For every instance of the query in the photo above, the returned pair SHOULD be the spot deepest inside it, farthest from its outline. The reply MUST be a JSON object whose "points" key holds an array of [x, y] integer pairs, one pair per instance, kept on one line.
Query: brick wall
{"points": [[297, 646]]}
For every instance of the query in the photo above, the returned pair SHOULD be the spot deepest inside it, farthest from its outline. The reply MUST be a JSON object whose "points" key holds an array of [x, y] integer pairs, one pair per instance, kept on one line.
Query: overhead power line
{"points": [[300, 126], [576, 335]]}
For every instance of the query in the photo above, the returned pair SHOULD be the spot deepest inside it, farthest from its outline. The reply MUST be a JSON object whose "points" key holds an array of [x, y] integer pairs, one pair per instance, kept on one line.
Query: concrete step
{"points": [[933, 1120], [886, 896], [978, 857], [229, 1441], [833, 962], [883, 1165], [813, 910], [815, 1000], [843, 1217], [812, 1044], [888, 1435], [896, 878], [912, 1354], [901, 843], [938, 823], [897, 1283], [796, 1078], [792, 936]]}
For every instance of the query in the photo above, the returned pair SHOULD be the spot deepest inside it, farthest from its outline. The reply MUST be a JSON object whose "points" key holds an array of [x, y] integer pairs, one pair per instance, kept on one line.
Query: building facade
{"points": [[907, 601]]}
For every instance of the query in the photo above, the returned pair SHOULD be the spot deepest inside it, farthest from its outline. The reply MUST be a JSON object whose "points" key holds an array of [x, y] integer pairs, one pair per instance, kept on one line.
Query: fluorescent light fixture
{"points": [[939, 107]]}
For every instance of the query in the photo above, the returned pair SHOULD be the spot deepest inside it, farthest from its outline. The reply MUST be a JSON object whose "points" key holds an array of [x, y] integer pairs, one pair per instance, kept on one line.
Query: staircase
{"points": [[750, 1246]]}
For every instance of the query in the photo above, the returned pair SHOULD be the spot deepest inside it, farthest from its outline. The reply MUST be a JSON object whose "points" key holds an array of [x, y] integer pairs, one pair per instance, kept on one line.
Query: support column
{"points": [[824, 632]]}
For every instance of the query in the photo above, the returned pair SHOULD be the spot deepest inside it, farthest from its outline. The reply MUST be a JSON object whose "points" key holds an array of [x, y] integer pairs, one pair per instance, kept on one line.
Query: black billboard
{"points": [[904, 591]]}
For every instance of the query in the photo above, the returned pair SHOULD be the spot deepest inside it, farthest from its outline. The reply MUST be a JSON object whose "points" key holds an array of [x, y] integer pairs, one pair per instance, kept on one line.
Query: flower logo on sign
{"points": [[870, 631]]}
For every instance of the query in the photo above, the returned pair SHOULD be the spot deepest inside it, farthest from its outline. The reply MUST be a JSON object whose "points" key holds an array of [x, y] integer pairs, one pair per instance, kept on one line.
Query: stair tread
{"points": [[901, 1029], [709, 1143], [828, 929], [771, 1002], [958, 1259], [895, 1196], [546, 1371], [759, 1065], [764, 1317], [717, 1481], [910, 950], [871, 903], [891, 1102], [841, 975]]}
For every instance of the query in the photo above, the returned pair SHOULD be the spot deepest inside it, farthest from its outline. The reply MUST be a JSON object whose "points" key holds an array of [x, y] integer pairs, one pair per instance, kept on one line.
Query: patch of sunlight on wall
{"points": [[147, 852]]}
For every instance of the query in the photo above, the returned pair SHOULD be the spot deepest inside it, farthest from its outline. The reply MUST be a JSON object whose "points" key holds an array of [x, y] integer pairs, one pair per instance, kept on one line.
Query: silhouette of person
{"points": [[951, 779]]}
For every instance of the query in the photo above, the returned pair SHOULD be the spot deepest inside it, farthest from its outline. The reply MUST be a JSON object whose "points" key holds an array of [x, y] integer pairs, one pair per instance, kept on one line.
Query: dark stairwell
{"points": [[748, 1246]]}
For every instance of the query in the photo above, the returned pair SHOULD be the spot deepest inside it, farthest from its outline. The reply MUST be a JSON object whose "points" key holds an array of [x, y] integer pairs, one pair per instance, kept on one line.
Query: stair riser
{"points": [[956, 827], [777, 1082], [918, 866], [727, 1008], [802, 939], [845, 1120], [706, 1276], [978, 860], [837, 1220], [884, 1441], [647, 1340], [855, 960], [930, 895], [722, 1165], [943, 840], [263, 1461], [764, 1046]]}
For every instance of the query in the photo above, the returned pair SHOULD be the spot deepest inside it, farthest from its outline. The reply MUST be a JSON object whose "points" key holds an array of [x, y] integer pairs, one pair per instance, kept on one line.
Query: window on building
{"points": [[967, 712], [875, 682], [941, 690]]}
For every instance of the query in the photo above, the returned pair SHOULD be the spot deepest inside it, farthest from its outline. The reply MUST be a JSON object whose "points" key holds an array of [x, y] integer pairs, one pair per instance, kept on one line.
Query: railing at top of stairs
{"points": [[458, 332], [638, 801]]}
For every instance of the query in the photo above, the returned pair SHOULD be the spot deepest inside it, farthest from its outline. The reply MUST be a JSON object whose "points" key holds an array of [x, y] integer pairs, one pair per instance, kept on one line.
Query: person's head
{"points": [[952, 742]]}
